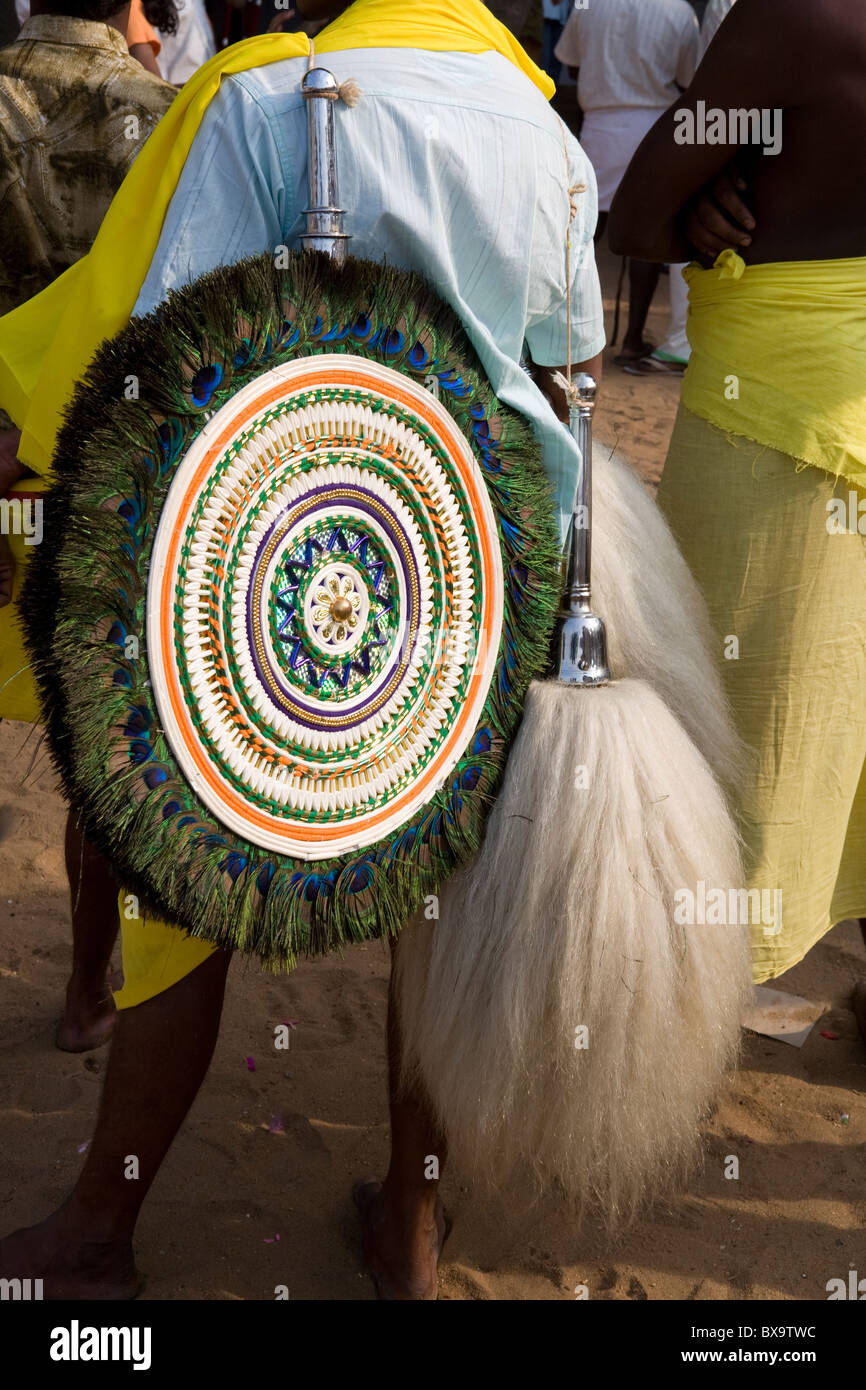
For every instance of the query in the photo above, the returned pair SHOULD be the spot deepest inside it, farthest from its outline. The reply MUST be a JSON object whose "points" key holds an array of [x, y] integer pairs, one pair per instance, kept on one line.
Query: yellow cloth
{"points": [[47, 342], [464, 27], [754, 531], [154, 955], [779, 355]]}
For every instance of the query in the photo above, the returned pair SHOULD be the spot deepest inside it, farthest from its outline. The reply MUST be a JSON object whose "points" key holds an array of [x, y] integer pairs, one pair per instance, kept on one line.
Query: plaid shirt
{"points": [[75, 109]]}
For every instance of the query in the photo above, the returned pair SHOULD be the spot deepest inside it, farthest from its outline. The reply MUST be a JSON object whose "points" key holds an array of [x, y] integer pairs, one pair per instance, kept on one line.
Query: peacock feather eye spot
{"points": [[205, 382]]}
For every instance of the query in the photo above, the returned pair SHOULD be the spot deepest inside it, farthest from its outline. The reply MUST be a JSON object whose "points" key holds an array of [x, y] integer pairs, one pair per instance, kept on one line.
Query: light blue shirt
{"points": [[453, 165]]}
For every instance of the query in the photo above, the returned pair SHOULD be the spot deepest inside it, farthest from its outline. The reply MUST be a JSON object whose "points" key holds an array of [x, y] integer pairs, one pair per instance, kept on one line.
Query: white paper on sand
{"points": [[787, 1017]]}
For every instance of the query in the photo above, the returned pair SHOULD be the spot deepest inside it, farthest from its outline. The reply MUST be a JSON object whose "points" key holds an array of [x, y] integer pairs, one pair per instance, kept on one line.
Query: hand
{"points": [[10, 471], [544, 378], [282, 21], [717, 217]]}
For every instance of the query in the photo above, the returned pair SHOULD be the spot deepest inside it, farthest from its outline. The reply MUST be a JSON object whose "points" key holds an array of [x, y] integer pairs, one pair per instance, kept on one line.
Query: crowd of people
{"points": [[771, 431]]}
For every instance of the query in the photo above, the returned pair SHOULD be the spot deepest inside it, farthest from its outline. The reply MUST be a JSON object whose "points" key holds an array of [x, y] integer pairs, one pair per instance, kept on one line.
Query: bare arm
{"points": [[144, 54]]}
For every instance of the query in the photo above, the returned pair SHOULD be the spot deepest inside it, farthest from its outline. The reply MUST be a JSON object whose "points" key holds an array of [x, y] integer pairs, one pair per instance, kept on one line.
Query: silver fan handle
{"points": [[324, 232], [580, 651]]}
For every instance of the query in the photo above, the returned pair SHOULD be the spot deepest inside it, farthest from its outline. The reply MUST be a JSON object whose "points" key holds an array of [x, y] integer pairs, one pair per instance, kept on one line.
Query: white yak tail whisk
{"points": [[557, 1014]]}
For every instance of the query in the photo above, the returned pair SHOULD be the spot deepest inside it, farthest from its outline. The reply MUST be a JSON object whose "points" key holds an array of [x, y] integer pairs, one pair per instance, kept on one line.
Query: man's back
{"points": [[715, 12], [75, 109], [630, 52], [806, 61], [452, 165]]}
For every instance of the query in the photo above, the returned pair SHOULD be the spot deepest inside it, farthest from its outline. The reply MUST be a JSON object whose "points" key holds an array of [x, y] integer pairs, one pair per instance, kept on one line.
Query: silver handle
{"points": [[320, 91]]}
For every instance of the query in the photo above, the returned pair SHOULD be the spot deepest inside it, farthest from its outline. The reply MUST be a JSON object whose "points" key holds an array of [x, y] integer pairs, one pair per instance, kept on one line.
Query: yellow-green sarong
{"points": [[765, 490]]}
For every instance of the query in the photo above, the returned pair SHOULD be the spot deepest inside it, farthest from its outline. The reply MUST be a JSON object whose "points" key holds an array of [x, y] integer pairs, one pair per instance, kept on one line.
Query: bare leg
{"points": [[404, 1223], [88, 1019], [643, 276], [159, 1058], [858, 1001]]}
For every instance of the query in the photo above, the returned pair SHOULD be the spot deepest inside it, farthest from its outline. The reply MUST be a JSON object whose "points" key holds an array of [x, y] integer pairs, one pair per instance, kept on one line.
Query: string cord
{"points": [[349, 91], [573, 190]]}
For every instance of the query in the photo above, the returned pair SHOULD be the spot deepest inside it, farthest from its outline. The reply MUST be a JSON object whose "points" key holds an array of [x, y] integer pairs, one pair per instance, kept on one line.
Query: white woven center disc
{"points": [[324, 605]]}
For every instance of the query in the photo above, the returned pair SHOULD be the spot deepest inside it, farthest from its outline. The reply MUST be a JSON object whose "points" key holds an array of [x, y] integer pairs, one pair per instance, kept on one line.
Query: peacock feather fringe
{"points": [[143, 401]]}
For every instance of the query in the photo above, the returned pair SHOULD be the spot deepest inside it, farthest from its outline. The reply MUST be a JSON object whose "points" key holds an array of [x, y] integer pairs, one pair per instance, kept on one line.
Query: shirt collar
{"points": [[82, 33]]}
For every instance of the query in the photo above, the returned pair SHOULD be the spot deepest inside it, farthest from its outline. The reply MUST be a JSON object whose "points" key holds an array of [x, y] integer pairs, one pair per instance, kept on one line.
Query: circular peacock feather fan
{"points": [[299, 568]]}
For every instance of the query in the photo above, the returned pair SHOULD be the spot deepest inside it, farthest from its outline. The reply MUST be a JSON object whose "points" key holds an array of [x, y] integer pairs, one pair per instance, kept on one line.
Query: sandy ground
{"points": [[255, 1192]]}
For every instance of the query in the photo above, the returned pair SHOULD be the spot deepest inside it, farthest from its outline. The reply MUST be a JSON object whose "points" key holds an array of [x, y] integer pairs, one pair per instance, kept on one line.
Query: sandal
{"points": [[624, 359], [655, 366]]}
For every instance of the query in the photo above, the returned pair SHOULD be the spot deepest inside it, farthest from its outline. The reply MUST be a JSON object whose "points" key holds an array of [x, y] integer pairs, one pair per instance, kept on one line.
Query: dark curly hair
{"points": [[162, 14]]}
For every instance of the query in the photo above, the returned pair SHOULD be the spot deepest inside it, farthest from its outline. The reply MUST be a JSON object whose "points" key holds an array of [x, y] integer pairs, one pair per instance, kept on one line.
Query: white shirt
{"points": [[713, 15], [452, 164], [192, 45], [630, 52]]}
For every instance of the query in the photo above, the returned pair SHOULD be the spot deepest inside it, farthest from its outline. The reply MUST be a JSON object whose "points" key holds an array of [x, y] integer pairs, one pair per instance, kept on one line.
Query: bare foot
{"points": [[402, 1254], [68, 1265], [88, 1019], [858, 1004]]}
